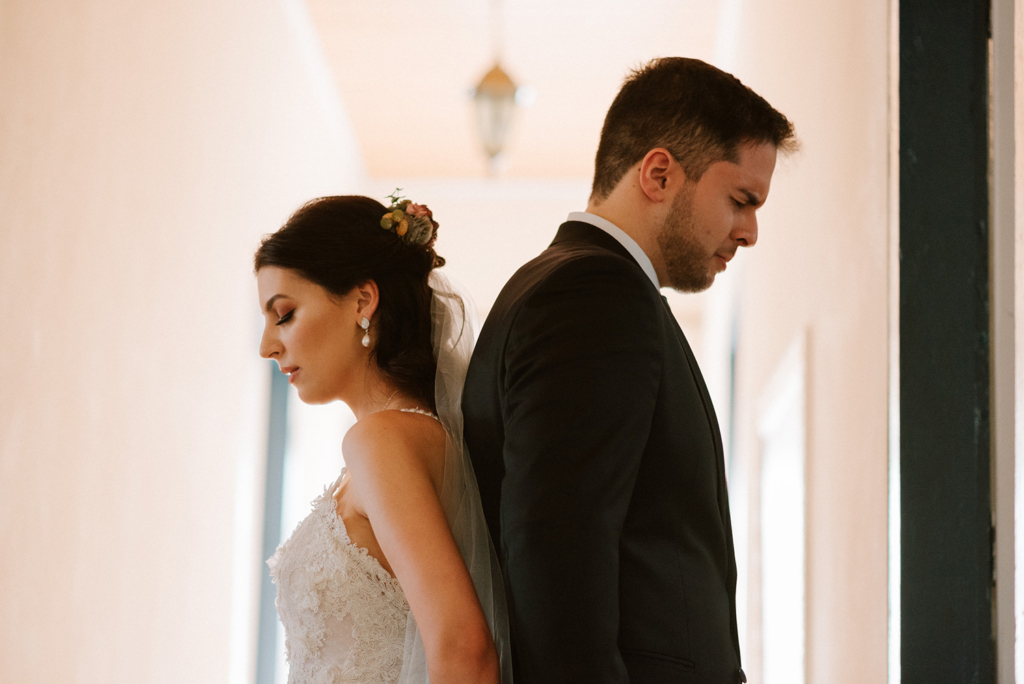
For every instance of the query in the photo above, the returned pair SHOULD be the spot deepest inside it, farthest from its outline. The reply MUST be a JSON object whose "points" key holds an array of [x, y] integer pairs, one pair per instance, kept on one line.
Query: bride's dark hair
{"points": [[337, 242]]}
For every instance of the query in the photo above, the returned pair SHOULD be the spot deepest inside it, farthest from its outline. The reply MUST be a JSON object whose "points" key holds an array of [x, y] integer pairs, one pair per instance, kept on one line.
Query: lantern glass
{"points": [[495, 101]]}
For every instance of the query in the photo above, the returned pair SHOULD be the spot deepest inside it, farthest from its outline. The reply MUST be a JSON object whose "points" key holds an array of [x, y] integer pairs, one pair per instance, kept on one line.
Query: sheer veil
{"points": [[460, 498]]}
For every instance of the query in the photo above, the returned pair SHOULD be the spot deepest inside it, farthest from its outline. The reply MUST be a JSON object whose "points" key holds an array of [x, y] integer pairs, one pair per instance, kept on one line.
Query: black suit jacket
{"points": [[602, 477]]}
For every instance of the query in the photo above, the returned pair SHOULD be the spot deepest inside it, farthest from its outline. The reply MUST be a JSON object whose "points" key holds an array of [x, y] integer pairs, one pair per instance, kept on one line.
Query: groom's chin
{"points": [[693, 285]]}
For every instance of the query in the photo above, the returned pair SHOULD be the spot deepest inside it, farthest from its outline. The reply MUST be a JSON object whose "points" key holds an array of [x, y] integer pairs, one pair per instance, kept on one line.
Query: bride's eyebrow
{"points": [[270, 302]]}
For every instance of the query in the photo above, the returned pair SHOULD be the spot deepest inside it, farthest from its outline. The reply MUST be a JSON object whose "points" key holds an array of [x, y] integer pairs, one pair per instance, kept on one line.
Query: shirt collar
{"points": [[629, 243]]}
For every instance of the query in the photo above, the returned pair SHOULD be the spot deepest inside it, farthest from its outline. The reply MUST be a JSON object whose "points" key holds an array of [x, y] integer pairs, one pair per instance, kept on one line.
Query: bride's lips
{"points": [[291, 372]]}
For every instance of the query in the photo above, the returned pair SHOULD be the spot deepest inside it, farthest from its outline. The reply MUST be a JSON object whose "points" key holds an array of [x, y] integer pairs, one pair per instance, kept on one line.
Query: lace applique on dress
{"points": [[344, 615]]}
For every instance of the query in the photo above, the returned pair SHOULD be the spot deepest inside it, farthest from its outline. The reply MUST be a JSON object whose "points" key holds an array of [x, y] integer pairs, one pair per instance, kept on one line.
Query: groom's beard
{"points": [[687, 263]]}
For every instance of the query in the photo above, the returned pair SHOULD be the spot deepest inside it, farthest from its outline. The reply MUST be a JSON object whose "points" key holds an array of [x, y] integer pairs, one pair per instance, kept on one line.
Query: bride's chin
{"points": [[313, 396], [306, 396]]}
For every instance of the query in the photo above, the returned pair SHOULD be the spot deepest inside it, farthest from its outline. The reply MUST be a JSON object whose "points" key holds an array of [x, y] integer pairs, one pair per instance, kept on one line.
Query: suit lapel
{"points": [[705, 396], [579, 231], [709, 410], [722, 489]]}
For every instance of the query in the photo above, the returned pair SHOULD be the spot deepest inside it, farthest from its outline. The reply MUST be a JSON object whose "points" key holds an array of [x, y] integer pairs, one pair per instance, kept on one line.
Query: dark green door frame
{"points": [[945, 443]]}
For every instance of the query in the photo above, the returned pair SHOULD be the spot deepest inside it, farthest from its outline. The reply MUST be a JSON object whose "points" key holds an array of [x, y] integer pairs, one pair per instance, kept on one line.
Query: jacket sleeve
{"points": [[582, 369]]}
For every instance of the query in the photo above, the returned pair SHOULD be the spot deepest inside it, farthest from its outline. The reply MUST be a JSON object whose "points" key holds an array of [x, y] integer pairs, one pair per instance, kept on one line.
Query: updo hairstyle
{"points": [[337, 242]]}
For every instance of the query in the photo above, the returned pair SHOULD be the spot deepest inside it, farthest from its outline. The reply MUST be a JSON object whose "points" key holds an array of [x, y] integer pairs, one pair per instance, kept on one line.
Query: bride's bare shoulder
{"points": [[395, 444]]}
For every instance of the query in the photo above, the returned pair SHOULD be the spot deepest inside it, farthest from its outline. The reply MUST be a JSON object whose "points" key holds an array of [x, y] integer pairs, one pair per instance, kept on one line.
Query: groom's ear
{"points": [[660, 175], [367, 297]]}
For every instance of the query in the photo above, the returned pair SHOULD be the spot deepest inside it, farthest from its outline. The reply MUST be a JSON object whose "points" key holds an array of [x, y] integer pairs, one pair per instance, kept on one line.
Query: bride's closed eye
{"points": [[285, 318]]}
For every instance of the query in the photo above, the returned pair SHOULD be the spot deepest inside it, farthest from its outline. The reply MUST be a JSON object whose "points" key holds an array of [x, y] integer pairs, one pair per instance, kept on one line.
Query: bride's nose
{"points": [[270, 346]]}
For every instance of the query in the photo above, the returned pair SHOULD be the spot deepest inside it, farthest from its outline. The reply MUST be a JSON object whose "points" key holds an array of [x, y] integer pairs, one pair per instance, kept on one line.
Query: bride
{"points": [[392, 577]]}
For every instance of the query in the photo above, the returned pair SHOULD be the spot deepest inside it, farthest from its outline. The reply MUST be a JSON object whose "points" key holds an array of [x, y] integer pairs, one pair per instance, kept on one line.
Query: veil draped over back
{"points": [[460, 498]]}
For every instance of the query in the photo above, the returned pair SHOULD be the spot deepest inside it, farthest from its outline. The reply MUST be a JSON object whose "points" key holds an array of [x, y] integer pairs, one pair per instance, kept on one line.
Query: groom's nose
{"points": [[745, 232]]}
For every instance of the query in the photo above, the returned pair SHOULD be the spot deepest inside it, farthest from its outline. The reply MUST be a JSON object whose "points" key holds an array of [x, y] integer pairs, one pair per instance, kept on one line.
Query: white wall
{"points": [[820, 269], [144, 148], [489, 227]]}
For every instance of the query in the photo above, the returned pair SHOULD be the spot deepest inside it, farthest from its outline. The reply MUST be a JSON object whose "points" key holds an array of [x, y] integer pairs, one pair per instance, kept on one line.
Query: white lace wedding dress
{"points": [[344, 615], [346, 619]]}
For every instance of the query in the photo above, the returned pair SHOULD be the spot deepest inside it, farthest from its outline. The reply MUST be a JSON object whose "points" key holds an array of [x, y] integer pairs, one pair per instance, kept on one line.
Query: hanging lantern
{"points": [[495, 100]]}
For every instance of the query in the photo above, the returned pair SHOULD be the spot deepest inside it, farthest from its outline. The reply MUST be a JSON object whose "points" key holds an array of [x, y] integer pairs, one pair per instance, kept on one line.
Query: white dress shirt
{"points": [[620, 235]]}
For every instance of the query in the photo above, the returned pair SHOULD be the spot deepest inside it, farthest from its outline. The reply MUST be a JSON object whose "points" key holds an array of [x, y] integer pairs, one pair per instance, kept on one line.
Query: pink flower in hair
{"points": [[418, 210]]}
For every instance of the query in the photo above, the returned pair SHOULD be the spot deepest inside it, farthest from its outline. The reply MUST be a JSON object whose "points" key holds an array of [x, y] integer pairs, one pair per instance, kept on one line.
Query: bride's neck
{"points": [[377, 393]]}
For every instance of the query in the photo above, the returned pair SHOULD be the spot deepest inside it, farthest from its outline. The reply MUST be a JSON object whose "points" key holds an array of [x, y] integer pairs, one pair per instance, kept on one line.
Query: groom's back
{"points": [[611, 520], [483, 399]]}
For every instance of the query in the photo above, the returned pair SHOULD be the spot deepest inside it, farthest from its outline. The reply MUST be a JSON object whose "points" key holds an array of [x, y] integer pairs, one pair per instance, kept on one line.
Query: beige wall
{"points": [[820, 269], [144, 147], [490, 226]]}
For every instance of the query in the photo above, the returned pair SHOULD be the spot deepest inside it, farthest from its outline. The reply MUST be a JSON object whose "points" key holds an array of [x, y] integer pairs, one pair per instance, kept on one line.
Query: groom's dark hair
{"points": [[697, 112]]}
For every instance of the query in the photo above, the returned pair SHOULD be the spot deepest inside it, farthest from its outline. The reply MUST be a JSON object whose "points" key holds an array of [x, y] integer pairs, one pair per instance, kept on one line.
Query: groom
{"points": [[592, 433]]}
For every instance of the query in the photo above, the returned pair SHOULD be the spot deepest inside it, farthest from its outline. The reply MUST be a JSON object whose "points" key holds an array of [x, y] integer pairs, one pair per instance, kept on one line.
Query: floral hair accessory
{"points": [[414, 223]]}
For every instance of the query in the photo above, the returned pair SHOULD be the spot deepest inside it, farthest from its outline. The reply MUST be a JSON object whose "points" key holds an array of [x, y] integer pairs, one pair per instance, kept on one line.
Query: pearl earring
{"points": [[365, 325]]}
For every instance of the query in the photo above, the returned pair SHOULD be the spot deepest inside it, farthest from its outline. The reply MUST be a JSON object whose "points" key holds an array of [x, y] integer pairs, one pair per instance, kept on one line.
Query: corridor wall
{"points": [[819, 273], [144, 148]]}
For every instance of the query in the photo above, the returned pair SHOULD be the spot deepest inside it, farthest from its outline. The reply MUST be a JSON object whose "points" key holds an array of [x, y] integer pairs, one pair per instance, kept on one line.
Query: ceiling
{"points": [[405, 70]]}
